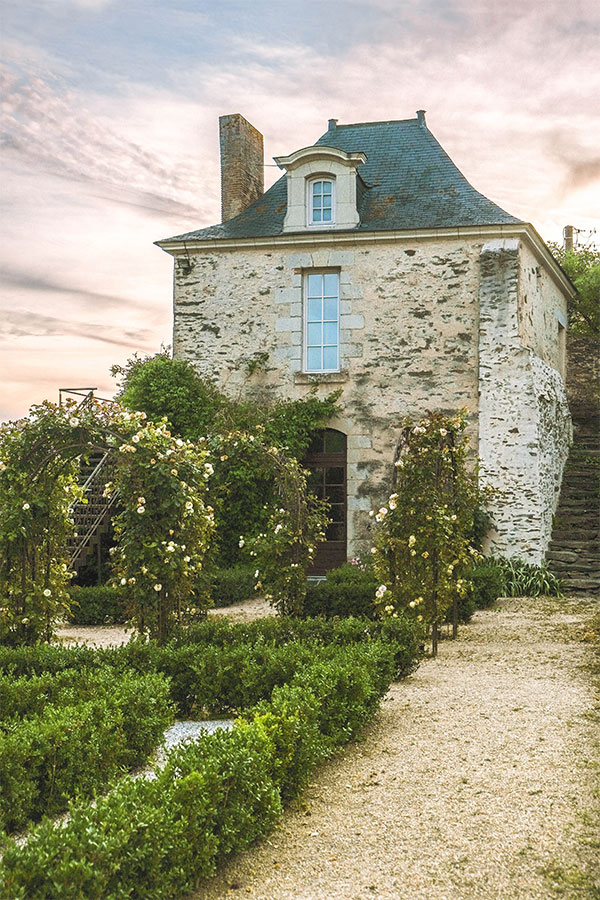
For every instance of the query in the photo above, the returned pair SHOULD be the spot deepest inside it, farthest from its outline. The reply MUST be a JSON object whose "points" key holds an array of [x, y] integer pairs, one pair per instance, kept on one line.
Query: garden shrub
{"points": [[487, 583], [157, 838], [346, 591], [233, 585], [523, 579], [98, 604], [78, 744]]}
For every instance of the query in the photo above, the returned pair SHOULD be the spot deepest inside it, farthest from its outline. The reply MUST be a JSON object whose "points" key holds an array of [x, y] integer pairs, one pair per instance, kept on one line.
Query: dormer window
{"points": [[321, 201], [321, 188]]}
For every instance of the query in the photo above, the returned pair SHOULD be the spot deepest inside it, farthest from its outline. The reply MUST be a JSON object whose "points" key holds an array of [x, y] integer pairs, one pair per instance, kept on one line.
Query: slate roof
{"points": [[411, 183]]}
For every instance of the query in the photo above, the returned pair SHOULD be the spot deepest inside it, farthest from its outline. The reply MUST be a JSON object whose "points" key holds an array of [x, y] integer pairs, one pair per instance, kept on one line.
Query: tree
{"points": [[423, 536], [582, 265], [243, 494], [163, 387]]}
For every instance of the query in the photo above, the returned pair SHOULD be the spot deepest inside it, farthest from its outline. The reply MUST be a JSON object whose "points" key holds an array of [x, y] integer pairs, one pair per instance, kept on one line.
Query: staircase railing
{"points": [[87, 527], [94, 489]]}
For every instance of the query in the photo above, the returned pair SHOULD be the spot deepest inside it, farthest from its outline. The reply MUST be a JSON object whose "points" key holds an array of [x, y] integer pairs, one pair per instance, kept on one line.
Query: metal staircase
{"points": [[92, 515]]}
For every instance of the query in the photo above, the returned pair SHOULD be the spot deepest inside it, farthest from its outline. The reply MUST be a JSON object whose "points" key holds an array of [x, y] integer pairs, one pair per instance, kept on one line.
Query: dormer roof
{"points": [[410, 183]]}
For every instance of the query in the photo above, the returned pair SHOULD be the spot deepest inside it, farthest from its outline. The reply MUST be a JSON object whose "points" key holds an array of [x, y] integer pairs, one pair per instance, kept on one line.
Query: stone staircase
{"points": [[574, 551]]}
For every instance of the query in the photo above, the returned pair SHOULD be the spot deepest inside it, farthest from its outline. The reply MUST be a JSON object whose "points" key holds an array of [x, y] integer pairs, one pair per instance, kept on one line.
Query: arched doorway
{"points": [[327, 461]]}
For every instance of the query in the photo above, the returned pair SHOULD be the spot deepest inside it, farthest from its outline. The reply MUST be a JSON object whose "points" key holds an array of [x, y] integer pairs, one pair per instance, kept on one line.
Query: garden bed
{"points": [[301, 690]]}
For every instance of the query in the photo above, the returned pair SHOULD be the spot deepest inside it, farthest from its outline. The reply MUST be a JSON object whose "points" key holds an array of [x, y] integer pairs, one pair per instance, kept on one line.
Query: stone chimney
{"points": [[242, 161], [568, 237]]}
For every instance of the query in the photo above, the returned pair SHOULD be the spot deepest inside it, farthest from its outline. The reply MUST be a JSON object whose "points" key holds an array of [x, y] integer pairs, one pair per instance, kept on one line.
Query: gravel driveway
{"points": [[470, 784]]}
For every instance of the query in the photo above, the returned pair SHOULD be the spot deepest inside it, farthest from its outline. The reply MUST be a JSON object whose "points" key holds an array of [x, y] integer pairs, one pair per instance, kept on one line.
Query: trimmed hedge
{"points": [[157, 838], [77, 744], [97, 604], [234, 585], [403, 634], [101, 604], [346, 591]]}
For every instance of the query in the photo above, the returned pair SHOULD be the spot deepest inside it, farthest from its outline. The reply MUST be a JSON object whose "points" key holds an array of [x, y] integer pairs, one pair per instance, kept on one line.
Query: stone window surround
{"points": [[289, 324], [305, 274]]}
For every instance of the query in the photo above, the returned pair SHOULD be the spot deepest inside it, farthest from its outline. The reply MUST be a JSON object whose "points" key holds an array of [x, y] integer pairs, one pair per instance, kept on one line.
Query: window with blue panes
{"points": [[321, 202], [322, 344]]}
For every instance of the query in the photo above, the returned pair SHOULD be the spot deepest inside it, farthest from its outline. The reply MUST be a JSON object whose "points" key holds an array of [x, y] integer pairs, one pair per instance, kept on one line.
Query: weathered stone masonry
{"points": [[524, 421], [408, 339]]}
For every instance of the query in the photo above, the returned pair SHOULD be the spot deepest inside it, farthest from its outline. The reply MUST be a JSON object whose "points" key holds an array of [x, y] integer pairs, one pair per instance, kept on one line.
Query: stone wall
{"points": [[542, 312], [408, 339], [524, 422], [437, 323]]}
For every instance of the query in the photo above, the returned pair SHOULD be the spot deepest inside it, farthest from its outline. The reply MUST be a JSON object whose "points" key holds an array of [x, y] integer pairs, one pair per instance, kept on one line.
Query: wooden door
{"points": [[327, 461]]}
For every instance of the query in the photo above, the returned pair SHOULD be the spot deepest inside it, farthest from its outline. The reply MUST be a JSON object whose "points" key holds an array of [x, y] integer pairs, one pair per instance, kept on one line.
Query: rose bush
{"points": [[422, 538]]}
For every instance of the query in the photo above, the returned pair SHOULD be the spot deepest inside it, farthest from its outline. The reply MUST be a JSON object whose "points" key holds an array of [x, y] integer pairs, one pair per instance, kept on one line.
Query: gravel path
{"points": [[470, 784]]}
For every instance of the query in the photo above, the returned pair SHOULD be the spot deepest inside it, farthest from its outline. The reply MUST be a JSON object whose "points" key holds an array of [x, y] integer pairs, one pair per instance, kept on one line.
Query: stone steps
{"points": [[574, 551]]}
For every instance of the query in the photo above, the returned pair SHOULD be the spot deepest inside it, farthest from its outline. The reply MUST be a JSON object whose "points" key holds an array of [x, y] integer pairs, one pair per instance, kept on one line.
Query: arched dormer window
{"points": [[321, 188], [321, 201]]}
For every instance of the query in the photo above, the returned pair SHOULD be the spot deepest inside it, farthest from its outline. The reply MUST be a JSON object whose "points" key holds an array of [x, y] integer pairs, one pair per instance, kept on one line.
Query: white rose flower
{"points": [[158, 587], [26, 506], [47, 592], [141, 510], [381, 590]]}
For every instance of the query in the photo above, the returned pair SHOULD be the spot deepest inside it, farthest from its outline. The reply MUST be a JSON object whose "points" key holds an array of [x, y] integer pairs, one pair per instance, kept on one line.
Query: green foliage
{"points": [[98, 604], [36, 490], [347, 591], [242, 493], [403, 634], [488, 582], [163, 387], [232, 585], [78, 743], [162, 530], [523, 579], [422, 543], [164, 527], [582, 265], [157, 838]]}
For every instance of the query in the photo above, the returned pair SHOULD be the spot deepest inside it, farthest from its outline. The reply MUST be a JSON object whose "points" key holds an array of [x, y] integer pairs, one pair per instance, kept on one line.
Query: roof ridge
{"points": [[377, 122]]}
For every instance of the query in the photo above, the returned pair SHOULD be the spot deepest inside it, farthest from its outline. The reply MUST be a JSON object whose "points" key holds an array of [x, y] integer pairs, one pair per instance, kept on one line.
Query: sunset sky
{"points": [[110, 138]]}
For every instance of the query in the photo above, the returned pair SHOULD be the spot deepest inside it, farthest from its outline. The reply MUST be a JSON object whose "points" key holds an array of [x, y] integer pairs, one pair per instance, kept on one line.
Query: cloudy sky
{"points": [[110, 138]]}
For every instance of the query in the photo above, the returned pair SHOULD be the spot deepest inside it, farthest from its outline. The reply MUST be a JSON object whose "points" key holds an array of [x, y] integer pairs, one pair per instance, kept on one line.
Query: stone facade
{"points": [[430, 318], [412, 339]]}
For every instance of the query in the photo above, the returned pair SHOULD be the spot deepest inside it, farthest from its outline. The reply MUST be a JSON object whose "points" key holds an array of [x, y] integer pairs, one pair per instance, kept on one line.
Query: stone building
{"points": [[372, 266]]}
